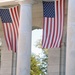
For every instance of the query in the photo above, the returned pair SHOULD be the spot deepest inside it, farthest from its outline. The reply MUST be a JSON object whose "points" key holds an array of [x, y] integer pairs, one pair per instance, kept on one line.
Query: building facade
{"points": [[56, 57]]}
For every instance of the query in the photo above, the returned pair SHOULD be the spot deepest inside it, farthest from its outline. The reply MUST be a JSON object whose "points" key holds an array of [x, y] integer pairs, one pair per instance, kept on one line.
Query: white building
{"points": [[60, 61]]}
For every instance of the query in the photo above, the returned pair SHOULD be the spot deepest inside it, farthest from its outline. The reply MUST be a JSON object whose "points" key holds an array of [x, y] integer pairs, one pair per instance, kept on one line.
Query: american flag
{"points": [[10, 21], [53, 13]]}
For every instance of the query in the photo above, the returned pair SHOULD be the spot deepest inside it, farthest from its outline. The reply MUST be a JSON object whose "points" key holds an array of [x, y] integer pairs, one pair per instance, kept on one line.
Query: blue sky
{"points": [[36, 35]]}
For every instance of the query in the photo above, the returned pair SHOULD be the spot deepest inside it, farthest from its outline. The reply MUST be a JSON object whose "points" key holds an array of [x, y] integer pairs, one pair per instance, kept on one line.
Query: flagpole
{"points": [[62, 44], [12, 62], [60, 61]]}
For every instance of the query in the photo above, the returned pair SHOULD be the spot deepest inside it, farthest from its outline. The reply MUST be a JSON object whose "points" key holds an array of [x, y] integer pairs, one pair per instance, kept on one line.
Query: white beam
{"points": [[7, 3]]}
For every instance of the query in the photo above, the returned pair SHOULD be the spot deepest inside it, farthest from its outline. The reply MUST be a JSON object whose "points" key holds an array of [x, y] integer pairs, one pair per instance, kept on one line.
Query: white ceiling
{"points": [[13, 2], [6, 0]]}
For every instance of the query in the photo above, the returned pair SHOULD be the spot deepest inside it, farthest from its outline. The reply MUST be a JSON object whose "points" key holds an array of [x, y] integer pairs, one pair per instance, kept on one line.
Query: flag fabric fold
{"points": [[53, 19], [10, 21]]}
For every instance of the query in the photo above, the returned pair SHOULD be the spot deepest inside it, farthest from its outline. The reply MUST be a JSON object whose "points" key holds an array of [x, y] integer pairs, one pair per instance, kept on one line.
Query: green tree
{"points": [[44, 63], [43, 60], [35, 68]]}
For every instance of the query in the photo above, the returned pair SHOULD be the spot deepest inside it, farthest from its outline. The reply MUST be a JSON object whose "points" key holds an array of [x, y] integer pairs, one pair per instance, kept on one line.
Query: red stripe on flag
{"points": [[50, 22], [15, 26], [53, 33], [8, 32], [53, 36], [6, 36], [14, 21], [46, 31], [16, 15], [11, 29]]}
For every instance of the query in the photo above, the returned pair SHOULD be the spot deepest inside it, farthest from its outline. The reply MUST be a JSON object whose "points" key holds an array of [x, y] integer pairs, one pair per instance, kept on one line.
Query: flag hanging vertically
{"points": [[10, 21], [53, 15]]}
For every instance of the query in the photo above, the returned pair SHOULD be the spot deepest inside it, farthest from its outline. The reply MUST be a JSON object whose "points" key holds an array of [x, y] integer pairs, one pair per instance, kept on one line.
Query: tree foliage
{"points": [[39, 64], [35, 69], [44, 59]]}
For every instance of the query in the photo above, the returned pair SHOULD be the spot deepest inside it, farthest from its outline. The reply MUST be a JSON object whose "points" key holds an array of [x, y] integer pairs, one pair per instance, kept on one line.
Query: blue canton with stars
{"points": [[5, 16], [49, 9]]}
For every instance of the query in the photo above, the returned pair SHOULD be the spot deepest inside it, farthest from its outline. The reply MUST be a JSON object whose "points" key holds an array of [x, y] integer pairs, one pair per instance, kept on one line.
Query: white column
{"points": [[24, 41], [70, 53]]}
